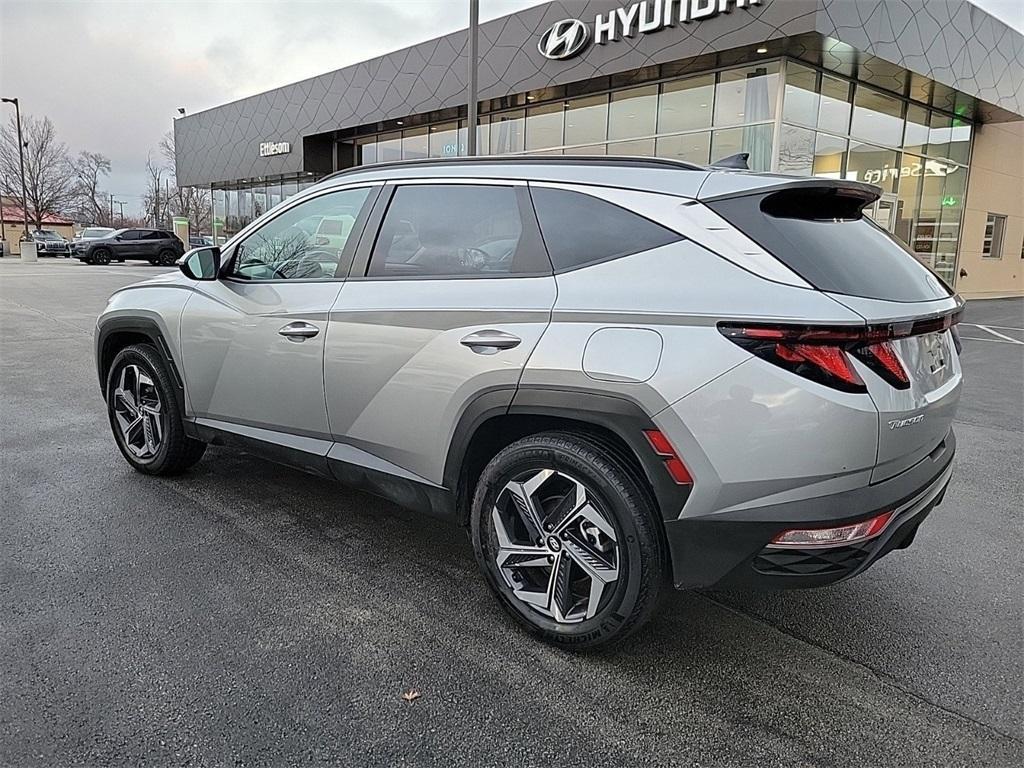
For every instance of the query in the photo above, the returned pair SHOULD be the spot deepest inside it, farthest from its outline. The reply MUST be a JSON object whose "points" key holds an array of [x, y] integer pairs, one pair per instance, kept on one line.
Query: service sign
{"points": [[269, 148], [570, 37]]}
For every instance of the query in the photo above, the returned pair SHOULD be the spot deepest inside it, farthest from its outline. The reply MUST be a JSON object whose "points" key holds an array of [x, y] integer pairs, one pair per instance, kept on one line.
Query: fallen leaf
{"points": [[411, 695]]}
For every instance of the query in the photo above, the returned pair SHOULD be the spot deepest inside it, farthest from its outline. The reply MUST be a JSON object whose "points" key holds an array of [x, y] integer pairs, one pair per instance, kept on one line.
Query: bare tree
{"points": [[155, 200], [170, 200], [90, 202], [49, 176]]}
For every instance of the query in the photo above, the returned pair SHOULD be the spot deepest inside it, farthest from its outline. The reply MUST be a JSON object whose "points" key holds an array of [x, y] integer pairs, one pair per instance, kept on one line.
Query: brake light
{"points": [[822, 353], [673, 464], [882, 359], [830, 537]]}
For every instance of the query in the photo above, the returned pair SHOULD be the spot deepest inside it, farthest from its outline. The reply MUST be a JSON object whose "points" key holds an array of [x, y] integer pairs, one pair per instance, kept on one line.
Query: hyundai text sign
{"points": [[268, 148], [569, 37]]}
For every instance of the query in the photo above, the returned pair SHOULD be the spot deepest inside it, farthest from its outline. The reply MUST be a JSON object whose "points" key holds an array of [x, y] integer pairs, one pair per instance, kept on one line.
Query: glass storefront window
{"points": [[444, 140], [915, 135], [834, 106], [800, 102], [877, 117], [949, 137], [389, 147], [366, 151], [415, 144], [874, 165], [686, 104], [259, 201], [636, 147], [288, 189], [796, 149], [746, 95], [586, 120], [544, 126], [507, 132], [273, 194], [589, 149], [691, 147], [829, 153], [633, 113], [908, 196], [753, 139]]}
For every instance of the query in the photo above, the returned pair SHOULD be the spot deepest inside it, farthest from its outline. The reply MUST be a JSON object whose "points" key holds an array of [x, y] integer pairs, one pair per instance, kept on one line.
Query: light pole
{"points": [[121, 204], [471, 96], [21, 159]]}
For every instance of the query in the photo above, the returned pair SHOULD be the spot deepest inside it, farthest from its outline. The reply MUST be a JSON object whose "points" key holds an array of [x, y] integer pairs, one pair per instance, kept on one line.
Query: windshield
{"points": [[45, 234]]}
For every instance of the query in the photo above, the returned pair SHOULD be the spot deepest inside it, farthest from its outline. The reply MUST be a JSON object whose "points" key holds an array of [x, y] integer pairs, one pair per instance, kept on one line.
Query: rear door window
{"points": [[581, 229], [822, 234], [455, 230]]}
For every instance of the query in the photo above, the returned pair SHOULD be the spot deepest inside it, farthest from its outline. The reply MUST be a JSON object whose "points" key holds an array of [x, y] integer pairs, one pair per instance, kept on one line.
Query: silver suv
{"points": [[614, 372]]}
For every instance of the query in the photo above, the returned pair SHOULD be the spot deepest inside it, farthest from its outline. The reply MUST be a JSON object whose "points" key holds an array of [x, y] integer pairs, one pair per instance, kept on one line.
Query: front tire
{"points": [[567, 537], [145, 414], [100, 256]]}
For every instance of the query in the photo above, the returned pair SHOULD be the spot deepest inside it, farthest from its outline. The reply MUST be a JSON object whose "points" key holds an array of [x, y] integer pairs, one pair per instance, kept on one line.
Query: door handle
{"points": [[299, 331], [489, 342]]}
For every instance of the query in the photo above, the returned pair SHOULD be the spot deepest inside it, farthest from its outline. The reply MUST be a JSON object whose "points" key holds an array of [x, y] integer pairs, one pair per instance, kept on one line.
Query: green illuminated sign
{"points": [[949, 201]]}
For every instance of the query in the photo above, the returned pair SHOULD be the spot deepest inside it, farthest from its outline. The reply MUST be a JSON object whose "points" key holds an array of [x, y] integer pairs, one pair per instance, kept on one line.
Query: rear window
{"points": [[823, 235]]}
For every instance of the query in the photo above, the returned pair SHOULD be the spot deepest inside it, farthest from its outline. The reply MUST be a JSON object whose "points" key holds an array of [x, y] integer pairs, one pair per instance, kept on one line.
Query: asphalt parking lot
{"points": [[247, 614]]}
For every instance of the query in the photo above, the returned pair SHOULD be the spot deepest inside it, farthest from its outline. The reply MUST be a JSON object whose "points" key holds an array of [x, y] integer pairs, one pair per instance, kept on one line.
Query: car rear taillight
{"points": [[822, 353], [673, 464], [831, 537]]}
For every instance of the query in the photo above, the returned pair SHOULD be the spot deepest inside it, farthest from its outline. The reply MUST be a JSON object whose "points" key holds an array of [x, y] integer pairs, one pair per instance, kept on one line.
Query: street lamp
{"points": [[21, 159], [471, 97]]}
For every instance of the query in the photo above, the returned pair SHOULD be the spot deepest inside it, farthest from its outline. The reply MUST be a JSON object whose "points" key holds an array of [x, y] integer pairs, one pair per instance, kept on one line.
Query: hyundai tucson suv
{"points": [[157, 246], [616, 373]]}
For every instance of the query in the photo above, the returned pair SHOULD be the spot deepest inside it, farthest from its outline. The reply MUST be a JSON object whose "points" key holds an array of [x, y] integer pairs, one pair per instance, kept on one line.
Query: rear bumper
{"points": [[731, 549]]}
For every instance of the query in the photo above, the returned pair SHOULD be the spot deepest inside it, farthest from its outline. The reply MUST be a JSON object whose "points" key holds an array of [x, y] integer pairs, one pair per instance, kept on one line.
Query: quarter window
{"points": [[438, 230], [579, 229], [306, 242], [995, 230]]}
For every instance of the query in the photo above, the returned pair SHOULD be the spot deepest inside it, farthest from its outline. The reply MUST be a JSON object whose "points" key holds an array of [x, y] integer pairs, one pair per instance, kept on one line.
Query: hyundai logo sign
{"points": [[564, 39], [570, 37]]}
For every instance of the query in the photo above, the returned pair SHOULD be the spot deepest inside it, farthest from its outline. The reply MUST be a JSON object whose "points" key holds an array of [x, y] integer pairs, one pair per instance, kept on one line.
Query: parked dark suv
{"points": [[157, 246]]}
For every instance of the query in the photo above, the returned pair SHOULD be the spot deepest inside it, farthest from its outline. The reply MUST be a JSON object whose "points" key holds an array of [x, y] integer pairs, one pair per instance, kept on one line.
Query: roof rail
{"points": [[625, 161]]}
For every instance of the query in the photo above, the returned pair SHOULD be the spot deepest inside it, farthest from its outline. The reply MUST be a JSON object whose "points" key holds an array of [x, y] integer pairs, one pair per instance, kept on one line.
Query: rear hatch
{"points": [[907, 353]]}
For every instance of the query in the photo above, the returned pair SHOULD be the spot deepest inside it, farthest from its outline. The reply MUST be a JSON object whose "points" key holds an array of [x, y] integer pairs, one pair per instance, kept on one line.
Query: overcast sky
{"points": [[111, 75]]}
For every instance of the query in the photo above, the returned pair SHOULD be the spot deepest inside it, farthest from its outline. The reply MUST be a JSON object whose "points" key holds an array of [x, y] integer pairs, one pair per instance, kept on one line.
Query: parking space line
{"points": [[993, 341], [987, 329]]}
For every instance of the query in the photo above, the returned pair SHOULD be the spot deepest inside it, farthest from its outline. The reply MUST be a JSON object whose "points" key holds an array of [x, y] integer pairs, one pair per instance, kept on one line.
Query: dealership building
{"points": [[924, 98]]}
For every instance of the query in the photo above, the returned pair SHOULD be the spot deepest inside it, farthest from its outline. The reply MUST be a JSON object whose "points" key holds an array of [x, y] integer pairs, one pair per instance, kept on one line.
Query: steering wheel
{"points": [[304, 265], [474, 258]]}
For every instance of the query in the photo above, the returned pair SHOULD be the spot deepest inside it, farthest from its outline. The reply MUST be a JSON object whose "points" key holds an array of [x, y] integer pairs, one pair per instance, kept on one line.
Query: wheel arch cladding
{"points": [[115, 334], [487, 426]]}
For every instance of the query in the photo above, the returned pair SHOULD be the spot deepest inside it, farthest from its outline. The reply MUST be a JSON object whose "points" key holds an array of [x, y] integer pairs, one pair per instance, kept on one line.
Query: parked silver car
{"points": [[612, 371]]}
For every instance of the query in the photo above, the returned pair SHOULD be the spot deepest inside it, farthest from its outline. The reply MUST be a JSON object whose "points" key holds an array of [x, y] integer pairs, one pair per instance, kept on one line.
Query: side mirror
{"points": [[200, 264], [118, 237], [321, 240]]}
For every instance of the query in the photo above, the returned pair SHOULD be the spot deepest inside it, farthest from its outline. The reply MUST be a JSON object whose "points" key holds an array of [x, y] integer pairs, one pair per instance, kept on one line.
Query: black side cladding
{"points": [[822, 234]]}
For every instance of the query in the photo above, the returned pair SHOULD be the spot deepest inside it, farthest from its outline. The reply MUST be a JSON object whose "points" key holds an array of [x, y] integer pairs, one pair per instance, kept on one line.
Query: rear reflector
{"points": [[673, 464], [832, 537]]}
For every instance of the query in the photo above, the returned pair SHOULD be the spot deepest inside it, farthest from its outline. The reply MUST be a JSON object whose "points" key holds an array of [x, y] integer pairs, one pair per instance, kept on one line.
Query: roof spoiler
{"points": [[737, 161]]}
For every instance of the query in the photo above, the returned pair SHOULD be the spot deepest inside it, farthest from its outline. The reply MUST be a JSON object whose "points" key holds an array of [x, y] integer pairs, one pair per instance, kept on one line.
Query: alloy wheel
{"points": [[139, 412], [557, 551]]}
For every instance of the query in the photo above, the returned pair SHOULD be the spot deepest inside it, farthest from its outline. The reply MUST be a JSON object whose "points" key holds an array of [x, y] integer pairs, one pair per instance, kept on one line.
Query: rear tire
{"points": [[567, 538], [166, 258], [144, 409], [100, 256]]}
